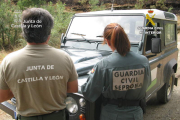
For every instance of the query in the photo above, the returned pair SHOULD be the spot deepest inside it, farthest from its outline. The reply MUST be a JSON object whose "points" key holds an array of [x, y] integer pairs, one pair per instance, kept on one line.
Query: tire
{"points": [[165, 93]]}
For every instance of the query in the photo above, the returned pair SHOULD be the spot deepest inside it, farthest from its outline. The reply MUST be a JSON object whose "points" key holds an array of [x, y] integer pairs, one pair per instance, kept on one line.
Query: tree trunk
{"points": [[3, 38], [15, 36]]}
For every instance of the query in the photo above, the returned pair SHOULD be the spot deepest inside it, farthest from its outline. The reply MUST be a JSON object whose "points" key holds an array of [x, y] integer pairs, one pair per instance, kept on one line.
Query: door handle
{"points": [[159, 65]]}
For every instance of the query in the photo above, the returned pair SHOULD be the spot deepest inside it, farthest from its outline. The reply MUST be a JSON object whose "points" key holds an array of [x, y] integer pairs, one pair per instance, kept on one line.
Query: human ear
{"points": [[48, 39], [108, 42]]}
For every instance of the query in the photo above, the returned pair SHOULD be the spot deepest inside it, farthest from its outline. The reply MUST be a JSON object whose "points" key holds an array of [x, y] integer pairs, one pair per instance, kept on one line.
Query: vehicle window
{"points": [[155, 30], [169, 33], [138, 23], [127, 27], [91, 28], [152, 33]]}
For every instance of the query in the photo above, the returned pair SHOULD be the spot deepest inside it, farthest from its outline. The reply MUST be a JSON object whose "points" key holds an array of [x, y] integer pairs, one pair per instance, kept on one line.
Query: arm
{"points": [[72, 84], [92, 89], [5, 92], [5, 95], [72, 87]]}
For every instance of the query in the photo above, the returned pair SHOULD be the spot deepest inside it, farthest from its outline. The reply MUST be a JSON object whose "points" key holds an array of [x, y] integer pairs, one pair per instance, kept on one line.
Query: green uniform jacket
{"points": [[119, 77]]}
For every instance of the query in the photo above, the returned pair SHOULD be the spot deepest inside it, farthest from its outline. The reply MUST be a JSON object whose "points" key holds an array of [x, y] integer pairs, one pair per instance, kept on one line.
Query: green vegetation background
{"points": [[10, 15]]}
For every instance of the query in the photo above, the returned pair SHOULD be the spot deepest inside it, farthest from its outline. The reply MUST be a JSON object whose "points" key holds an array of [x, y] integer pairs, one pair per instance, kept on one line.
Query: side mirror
{"points": [[155, 45], [62, 38], [140, 45]]}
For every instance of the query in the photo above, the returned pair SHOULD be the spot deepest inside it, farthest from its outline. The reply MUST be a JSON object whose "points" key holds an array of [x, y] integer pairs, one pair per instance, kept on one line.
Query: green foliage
{"points": [[94, 5], [170, 9], [83, 2], [9, 18], [139, 4], [10, 15], [153, 6], [27, 3], [61, 21], [160, 4]]}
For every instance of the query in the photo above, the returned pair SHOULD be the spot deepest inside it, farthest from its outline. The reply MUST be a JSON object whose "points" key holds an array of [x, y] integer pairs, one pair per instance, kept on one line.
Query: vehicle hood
{"points": [[84, 60]]}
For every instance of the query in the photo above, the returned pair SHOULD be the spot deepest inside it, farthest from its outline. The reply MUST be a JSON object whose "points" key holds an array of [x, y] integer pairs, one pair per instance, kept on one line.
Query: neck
{"points": [[37, 43], [44, 43]]}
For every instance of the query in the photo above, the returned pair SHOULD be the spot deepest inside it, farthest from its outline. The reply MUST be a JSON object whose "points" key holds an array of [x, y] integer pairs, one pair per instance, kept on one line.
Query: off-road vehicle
{"points": [[152, 33]]}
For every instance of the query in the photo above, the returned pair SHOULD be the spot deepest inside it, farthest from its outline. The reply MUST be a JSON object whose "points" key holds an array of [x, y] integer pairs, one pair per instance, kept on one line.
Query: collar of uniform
{"points": [[115, 51], [36, 46]]}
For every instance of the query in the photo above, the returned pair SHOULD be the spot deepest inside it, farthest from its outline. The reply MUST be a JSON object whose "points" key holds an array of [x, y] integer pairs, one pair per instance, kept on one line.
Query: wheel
{"points": [[165, 93]]}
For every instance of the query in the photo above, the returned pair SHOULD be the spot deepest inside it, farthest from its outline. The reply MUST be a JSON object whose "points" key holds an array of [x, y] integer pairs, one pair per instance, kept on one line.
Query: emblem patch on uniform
{"points": [[128, 79], [92, 71]]}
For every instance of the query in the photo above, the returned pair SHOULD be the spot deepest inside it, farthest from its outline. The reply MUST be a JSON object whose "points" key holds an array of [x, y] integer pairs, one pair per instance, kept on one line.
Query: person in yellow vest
{"points": [[38, 76], [121, 78]]}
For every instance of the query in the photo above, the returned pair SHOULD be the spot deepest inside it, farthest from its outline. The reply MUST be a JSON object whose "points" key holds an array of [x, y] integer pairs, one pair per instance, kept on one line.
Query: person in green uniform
{"points": [[121, 78], [38, 76]]}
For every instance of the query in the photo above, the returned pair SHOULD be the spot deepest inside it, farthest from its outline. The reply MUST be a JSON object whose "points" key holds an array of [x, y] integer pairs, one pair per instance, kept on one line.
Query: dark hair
{"points": [[36, 25], [118, 38]]}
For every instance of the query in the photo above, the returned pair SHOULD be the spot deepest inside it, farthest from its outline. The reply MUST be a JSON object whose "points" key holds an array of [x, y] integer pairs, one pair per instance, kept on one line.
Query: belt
{"points": [[123, 102], [38, 116]]}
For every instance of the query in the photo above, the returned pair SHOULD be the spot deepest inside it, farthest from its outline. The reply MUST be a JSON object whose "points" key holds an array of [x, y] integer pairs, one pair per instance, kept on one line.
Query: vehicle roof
{"points": [[159, 14]]}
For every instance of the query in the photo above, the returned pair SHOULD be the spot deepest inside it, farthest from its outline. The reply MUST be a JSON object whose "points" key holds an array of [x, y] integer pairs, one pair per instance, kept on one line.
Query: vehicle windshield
{"points": [[91, 28]]}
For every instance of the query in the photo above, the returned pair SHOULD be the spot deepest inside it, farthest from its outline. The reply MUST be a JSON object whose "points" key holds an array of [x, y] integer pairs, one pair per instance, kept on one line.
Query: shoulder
{"points": [[63, 55], [102, 63], [13, 55], [137, 57], [60, 53], [10, 58]]}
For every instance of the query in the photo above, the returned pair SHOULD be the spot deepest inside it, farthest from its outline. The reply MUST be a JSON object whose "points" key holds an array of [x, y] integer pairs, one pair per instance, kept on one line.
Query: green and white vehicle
{"points": [[152, 33]]}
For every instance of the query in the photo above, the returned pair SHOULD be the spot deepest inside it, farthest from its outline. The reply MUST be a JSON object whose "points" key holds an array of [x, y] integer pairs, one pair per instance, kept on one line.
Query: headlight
{"points": [[82, 102], [71, 105]]}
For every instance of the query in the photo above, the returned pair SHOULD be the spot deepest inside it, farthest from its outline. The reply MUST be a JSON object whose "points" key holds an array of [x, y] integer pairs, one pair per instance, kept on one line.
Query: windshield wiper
{"points": [[82, 35], [78, 34], [98, 44], [99, 36]]}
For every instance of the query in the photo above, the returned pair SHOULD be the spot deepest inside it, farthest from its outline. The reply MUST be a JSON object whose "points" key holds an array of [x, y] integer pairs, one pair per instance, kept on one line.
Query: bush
{"points": [[160, 4], [27, 3], [61, 18], [10, 14], [94, 5], [61, 21], [139, 4], [9, 17]]}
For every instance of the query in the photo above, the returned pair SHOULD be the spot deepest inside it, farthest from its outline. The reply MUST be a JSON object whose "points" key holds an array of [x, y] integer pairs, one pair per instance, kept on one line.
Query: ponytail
{"points": [[118, 38]]}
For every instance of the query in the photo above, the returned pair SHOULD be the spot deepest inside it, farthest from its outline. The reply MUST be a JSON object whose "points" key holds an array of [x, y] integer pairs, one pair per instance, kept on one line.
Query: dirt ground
{"points": [[169, 111]]}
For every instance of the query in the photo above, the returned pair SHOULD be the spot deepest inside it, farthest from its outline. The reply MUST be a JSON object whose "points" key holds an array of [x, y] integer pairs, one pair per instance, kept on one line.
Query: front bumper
{"points": [[8, 108]]}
